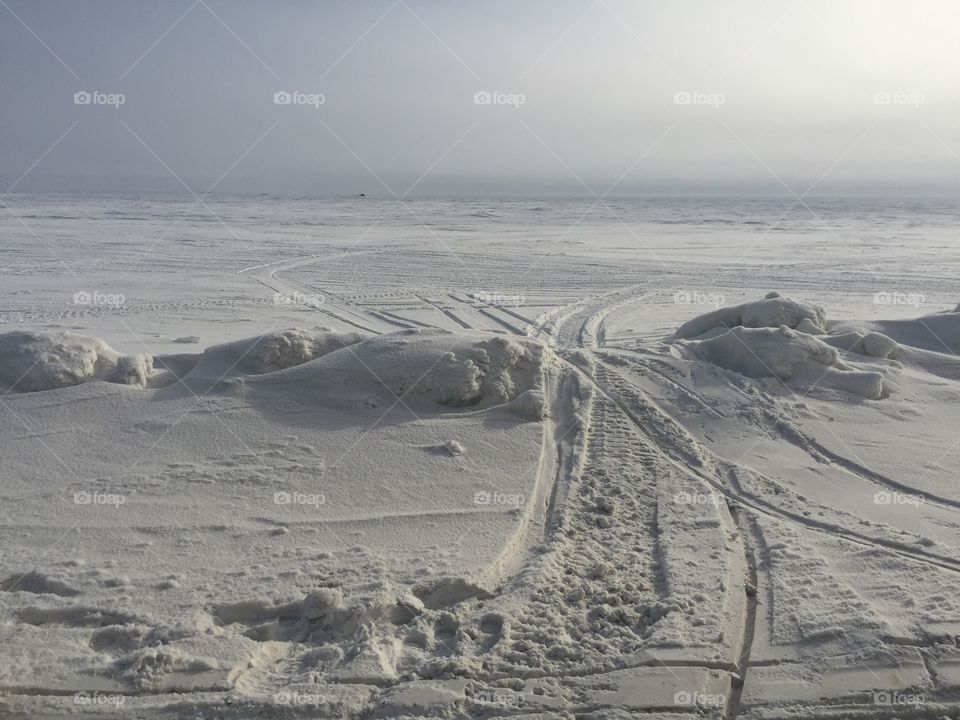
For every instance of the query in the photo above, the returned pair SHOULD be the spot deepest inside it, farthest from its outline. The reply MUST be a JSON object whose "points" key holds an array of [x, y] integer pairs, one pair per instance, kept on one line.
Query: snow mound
{"points": [[132, 370], [785, 354], [771, 312], [470, 369], [34, 361], [763, 352], [270, 352], [939, 332], [454, 447], [530, 405], [871, 344]]}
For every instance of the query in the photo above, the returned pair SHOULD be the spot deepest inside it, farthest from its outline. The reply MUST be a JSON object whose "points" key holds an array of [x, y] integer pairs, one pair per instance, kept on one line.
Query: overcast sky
{"points": [[582, 97]]}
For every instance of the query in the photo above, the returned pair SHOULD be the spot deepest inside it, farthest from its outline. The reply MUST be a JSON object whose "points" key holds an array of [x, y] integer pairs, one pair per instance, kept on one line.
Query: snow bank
{"points": [[469, 369], [785, 354], [33, 361], [270, 352], [939, 332], [473, 369], [771, 312], [763, 352], [871, 344]]}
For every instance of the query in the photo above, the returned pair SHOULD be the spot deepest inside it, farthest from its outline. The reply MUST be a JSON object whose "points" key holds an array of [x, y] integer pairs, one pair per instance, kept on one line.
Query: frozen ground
{"points": [[527, 459]]}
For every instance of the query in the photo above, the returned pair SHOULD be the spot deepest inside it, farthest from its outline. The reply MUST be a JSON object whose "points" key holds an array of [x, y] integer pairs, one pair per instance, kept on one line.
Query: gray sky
{"points": [[655, 97]]}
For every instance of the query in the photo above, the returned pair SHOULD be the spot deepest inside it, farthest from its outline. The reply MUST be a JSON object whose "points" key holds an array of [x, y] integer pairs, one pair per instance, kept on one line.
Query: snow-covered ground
{"points": [[365, 458]]}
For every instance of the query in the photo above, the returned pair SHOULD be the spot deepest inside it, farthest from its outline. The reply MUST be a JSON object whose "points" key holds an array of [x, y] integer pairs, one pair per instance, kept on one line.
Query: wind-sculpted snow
{"points": [[771, 312], [270, 352], [31, 361], [481, 489], [741, 339], [469, 369], [785, 354]]}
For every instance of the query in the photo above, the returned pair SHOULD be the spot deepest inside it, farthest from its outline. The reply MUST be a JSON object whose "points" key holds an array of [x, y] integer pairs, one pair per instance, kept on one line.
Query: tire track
{"points": [[736, 494], [821, 453], [446, 311], [741, 664]]}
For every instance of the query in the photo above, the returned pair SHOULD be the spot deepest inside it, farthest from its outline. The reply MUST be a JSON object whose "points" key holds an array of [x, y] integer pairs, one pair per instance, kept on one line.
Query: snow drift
{"points": [[270, 352], [785, 339], [33, 361], [456, 370], [764, 352], [786, 354], [938, 332], [771, 312], [470, 369]]}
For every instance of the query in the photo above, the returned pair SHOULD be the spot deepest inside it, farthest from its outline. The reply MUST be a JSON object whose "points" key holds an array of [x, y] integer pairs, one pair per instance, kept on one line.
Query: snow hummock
{"points": [[270, 352], [454, 447], [763, 352], [746, 339], [937, 332], [871, 344], [771, 312], [457, 370], [34, 361]]}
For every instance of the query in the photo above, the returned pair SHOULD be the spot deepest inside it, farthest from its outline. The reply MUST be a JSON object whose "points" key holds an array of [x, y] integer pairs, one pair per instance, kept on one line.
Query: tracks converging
{"points": [[576, 331]]}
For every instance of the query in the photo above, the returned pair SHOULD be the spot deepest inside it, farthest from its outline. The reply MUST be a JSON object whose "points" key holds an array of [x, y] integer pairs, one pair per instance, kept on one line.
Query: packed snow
{"points": [[363, 477]]}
